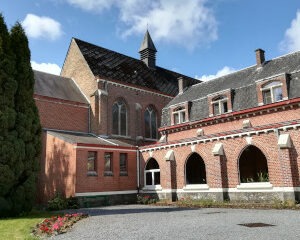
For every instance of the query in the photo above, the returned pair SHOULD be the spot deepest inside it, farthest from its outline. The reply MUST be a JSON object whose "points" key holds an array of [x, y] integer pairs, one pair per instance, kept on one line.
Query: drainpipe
{"points": [[89, 119], [138, 168]]}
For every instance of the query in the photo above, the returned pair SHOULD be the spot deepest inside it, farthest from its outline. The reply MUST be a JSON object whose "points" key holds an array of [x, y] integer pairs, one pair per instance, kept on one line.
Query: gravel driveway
{"points": [[153, 222]]}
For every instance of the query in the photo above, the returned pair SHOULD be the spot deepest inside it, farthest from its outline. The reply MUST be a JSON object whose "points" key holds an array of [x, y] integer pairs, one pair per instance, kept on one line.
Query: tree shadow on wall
{"points": [[57, 175], [224, 176]]}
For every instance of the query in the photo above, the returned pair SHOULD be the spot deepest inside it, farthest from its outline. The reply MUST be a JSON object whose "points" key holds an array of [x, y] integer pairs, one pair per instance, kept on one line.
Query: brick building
{"points": [[232, 138], [115, 126], [95, 115]]}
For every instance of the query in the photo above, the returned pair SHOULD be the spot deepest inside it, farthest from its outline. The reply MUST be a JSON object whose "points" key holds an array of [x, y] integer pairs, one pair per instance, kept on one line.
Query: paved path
{"points": [[151, 222]]}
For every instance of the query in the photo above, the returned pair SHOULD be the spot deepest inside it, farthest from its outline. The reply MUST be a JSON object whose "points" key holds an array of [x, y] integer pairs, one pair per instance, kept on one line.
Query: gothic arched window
{"points": [[119, 118], [150, 117]]}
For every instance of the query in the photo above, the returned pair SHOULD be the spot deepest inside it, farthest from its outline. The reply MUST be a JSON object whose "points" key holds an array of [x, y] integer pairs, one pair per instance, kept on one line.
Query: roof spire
{"points": [[148, 51]]}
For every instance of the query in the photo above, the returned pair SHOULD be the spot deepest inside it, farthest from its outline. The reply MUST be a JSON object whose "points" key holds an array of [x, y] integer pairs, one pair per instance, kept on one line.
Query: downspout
{"points": [[138, 168], [89, 119]]}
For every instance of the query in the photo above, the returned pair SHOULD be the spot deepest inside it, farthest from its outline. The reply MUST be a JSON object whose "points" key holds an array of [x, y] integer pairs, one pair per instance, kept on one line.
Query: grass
{"points": [[20, 227]]}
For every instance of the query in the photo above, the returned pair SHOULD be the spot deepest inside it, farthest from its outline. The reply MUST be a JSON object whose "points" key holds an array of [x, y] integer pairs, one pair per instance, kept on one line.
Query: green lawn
{"points": [[20, 228]]}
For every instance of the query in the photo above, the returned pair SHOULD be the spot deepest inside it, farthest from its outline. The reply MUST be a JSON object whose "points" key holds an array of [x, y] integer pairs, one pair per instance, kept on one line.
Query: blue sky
{"points": [[199, 38]]}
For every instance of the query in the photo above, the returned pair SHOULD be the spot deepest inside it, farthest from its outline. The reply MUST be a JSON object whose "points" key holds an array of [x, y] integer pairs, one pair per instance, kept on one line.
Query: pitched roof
{"points": [[86, 138], [111, 65], [50, 85], [242, 83]]}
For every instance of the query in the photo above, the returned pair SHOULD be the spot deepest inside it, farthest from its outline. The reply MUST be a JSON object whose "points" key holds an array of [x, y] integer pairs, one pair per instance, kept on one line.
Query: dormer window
{"points": [[272, 92], [179, 115], [220, 105]]}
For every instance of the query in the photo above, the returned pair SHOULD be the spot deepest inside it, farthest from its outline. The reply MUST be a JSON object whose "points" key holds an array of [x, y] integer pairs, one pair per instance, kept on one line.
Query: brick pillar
{"points": [[218, 176]]}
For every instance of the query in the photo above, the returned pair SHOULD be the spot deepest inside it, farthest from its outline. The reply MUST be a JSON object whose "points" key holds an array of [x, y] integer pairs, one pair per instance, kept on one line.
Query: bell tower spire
{"points": [[148, 51]]}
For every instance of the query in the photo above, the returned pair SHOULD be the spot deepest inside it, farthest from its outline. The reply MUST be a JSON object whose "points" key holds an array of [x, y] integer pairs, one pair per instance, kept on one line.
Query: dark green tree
{"points": [[23, 142]]}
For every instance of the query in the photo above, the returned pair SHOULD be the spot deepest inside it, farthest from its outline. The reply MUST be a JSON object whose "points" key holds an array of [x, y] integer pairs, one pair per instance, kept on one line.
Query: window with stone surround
{"points": [[219, 105], [272, 92], [150, 118], [179, 115], [119, 118]]}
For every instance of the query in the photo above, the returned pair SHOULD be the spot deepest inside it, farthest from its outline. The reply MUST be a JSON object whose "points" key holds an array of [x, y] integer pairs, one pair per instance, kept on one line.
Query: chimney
{"points": [[182, 84], [260, 57]]}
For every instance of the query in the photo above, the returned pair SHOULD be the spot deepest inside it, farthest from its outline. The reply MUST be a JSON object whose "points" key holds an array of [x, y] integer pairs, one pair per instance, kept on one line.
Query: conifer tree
{"points": [[24, 142]]}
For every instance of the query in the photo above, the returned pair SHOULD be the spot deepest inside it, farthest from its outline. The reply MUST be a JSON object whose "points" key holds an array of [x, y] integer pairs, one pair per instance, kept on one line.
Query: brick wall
{"points": [[61, 114], [57, 169], [100, 182]]}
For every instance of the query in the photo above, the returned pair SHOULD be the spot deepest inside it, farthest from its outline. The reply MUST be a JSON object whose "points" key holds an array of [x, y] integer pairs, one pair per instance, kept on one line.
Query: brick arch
{"points": [[203, 173], [260, 148]]}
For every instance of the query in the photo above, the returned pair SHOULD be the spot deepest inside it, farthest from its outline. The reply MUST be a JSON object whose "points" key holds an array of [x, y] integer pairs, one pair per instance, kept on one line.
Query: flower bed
{"points": [[57, 224]]}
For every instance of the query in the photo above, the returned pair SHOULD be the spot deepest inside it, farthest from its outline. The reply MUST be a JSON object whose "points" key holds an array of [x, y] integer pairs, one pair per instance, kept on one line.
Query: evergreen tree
{"points": [[23, 147]]}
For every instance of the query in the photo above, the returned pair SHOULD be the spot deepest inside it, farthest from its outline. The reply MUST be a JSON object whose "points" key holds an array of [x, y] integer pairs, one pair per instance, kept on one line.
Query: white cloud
{"points": [[291, 41], [189, 23], [46, 67], [224, 71], [41, 27]]}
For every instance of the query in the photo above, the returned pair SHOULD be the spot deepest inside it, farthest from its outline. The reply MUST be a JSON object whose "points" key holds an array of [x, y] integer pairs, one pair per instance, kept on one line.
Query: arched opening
{"points": [[253, 165], [152, 173], [195, 170]]}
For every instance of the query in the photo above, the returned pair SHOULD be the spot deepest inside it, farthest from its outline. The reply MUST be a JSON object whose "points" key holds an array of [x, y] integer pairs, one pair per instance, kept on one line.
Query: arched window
{"points": [[119, 118], [152, 173], [272, 92], [195, 170], [220, 105], [150, 117], [253, 165]]}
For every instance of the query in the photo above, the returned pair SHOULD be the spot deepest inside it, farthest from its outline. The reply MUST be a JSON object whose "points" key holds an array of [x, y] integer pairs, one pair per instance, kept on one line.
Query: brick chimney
{"points": [[260, 57], [182, 84]]}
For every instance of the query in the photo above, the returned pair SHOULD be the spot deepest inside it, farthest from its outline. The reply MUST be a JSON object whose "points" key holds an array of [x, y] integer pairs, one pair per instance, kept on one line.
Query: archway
{"points": [[253, 165], [195, 170]]}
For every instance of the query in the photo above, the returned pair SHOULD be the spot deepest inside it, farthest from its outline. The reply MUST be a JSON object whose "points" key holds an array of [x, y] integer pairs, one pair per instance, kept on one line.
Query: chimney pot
{"points": [[260, 56]]}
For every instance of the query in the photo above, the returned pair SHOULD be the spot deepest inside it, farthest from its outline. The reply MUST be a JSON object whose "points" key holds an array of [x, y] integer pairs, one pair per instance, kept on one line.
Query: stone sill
{"points": [[152, 188], [92, 173], [255, 185], [196, 187]]}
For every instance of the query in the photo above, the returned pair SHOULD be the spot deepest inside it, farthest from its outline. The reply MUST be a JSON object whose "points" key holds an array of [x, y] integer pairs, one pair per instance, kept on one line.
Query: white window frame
{"points": [[220, 104], [271, 89], [180, 112]]}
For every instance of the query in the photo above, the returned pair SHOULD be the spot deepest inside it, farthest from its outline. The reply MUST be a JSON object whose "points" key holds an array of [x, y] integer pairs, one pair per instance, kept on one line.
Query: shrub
{"points": [[146, 199], [59, 203]]}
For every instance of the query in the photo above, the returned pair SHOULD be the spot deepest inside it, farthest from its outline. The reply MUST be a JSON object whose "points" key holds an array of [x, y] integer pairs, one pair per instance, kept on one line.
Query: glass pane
{"points": [[274, 83], [91, 161], [157, 178], [123, 162], [123, 120], [148, 178], [224, 107], [153, 125], [182, 117], [147, 124], [108, 163], [277, 93], [115, 115], [176, 118], [267, 97], [216, 108]]}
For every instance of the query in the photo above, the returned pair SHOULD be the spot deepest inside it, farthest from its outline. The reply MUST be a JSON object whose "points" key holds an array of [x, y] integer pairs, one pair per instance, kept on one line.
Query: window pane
{"points": [[224, 107], [157, 178], [182, 117], [148, 178], [123, 162], [176, 118], [91, 166], [123, 120], [108, 162], [216, 108], [153, 125], [115, 115], [274, 83], [267, 97], [147, 124], [277, 93]]}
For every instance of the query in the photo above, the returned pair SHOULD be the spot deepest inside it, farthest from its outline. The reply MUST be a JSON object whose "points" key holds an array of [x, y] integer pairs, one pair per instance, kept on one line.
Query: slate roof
{"points": [[86, 138], [243, 86], [50, 85], [147, 43], [111, 65]]}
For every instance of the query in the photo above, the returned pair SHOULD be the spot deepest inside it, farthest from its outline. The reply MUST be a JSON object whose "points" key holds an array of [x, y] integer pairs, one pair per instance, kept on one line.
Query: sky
{"points": [[203, 39]]}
